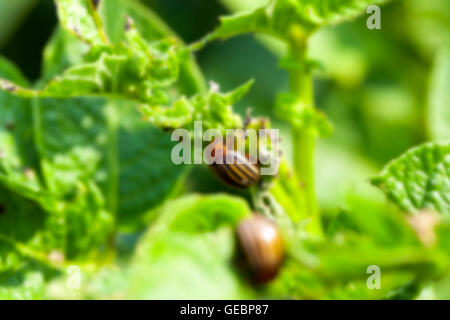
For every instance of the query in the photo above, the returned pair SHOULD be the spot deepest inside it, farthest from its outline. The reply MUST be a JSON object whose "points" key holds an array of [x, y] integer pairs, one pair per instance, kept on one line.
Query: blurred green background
{"points": [[385, 91], [373, 84]]}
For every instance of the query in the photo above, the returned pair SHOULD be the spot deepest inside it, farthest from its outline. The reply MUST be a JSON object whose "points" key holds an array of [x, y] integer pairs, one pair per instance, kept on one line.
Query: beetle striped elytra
{"points": [[240, 173], [262, 245]]}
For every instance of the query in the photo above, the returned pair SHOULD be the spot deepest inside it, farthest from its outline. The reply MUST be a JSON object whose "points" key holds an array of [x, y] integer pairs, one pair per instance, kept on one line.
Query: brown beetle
{"points": [[262, 245], [241, 173]]}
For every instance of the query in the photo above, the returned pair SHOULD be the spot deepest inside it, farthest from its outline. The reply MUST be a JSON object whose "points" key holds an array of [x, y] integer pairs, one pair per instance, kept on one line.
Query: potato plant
{"points": [[89, 194]]}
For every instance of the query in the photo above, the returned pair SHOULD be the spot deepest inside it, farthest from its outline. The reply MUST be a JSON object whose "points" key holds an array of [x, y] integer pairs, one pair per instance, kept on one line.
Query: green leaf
{"points": [[438, 119], [134, 70], [211, 213], [147, 176], [62, 50], [138, 73], [188, 252], [22, 222], [22, 286], [17, 152], [137, 70], [367, 233], [214, 109], [236, 5], [80, 18], [419, 179], [42, 221], [129, 160], [104, 141], [337, 269], [27, 280], [279, 17], [72, 226], [383, 224], [22, 198], [114, 13]]}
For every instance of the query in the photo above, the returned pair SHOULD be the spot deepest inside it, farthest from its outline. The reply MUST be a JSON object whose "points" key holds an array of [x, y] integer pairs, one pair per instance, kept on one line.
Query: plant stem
{"points": [[303, 137]]}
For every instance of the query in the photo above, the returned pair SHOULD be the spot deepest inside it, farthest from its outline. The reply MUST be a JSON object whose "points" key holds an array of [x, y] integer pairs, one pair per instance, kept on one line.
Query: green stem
{"points": [[303, 138], [113, 163]]}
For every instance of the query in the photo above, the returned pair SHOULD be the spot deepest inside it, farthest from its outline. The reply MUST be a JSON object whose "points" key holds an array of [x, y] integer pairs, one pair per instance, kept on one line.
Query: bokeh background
{"points": [[385, 91], [374, 84]]}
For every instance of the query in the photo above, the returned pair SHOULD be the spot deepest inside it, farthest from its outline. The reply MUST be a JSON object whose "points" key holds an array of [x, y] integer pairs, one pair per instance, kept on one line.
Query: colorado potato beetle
{"points": [[241, 173], [262, 245]]}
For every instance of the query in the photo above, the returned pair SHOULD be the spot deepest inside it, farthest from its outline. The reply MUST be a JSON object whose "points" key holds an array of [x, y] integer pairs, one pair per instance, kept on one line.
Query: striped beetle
{"points": [[262, 245], [241, 173]]}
